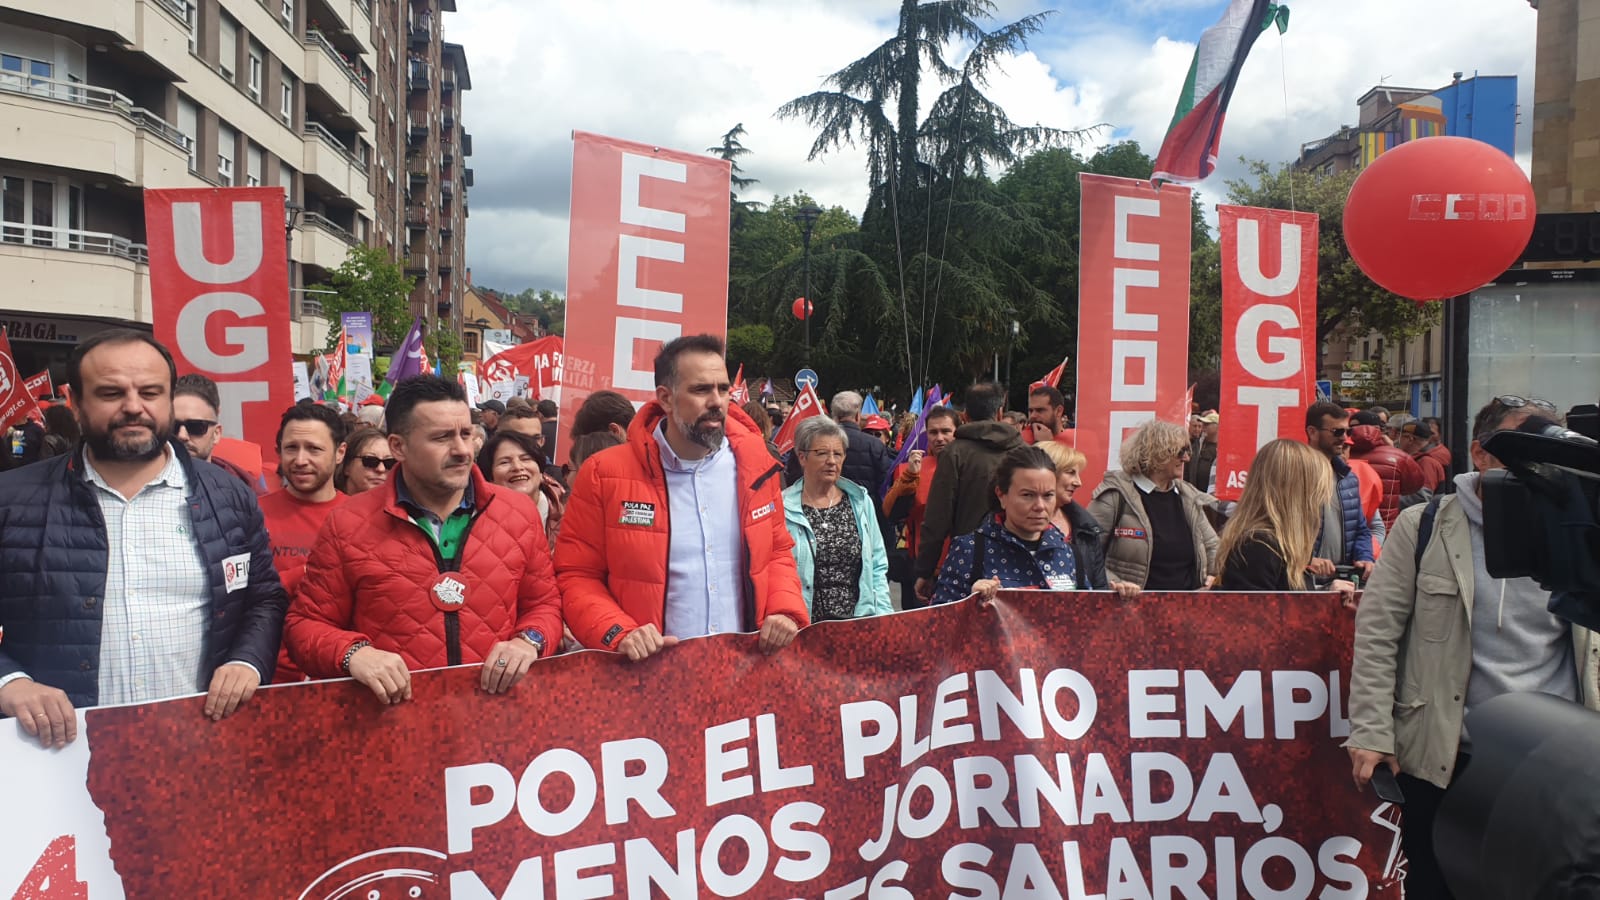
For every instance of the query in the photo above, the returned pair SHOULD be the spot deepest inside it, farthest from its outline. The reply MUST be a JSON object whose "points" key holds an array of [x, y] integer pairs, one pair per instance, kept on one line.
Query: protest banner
{"points": [[537, 362], [1059, 745], [1133, 312], [1269, 334], [647, 263], [358, 355], [219, 298]]}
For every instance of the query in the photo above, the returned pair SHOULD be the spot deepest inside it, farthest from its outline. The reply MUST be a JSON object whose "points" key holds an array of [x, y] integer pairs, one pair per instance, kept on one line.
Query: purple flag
{"points": [[407, 361], [916, 439]]}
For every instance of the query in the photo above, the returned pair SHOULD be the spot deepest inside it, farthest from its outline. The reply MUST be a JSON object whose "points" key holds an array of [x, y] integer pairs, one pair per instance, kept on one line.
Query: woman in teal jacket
{"points": [[844, 568]]}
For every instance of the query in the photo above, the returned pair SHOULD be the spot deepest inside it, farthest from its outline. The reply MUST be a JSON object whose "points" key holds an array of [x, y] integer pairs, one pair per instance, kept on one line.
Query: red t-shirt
{"points": [[292, 526]]}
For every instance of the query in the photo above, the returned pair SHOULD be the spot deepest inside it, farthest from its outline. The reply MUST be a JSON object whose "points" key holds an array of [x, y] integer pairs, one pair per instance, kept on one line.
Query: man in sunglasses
{"points": [[1346, 539], [195, 406], [310, 448]]}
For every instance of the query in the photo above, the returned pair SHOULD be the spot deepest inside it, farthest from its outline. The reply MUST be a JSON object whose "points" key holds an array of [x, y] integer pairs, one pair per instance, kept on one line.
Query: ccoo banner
{"points": [[1269, 334], [219, 298], [1046, 745], [1133, 312], [647, 262]]}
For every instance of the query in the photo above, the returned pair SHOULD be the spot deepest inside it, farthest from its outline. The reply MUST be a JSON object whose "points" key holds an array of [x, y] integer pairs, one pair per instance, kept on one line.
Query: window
{"points": [[14, 210], [252, 172], [31, 208], [1427, 351], [286, 99], [227, 47], [13, 68], [469, 342], [286, 179], [189, 127], [287, 14], [44, 212], [253, 80], [191, 17], [225, 139]]}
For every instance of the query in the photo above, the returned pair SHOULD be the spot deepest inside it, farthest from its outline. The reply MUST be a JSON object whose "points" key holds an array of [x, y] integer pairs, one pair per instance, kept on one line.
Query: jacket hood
{"points": [[1366, 438], [996, 435]]}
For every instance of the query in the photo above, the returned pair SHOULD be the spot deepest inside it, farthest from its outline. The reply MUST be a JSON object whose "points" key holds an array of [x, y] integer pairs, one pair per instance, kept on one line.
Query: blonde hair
{"points": [[1289, 486], [1154, 443], [1063, 456]]}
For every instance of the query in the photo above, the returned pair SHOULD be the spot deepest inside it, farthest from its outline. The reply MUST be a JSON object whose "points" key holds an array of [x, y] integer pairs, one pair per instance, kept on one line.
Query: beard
{"points": [[106, 444], [706, 431]]}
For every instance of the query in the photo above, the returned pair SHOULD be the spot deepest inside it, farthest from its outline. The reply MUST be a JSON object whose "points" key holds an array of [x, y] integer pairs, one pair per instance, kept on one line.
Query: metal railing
{"points": [[313, 36], [328, 225], [315, 129], [176, 10], [94, 97], [310, 307], [418, 74], [97, 242]]}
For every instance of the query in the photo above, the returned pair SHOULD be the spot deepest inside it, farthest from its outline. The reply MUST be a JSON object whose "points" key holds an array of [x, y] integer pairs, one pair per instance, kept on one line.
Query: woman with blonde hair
{"points": [[1080, 529], [1268, 542], [1160, 537]]}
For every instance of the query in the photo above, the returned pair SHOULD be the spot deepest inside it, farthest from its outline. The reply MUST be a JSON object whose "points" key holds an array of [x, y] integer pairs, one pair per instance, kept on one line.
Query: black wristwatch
{"points": [[536, 639]]}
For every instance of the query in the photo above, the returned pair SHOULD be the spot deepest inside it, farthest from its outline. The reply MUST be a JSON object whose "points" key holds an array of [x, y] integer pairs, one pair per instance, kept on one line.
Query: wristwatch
{"points": [[535, 638]]}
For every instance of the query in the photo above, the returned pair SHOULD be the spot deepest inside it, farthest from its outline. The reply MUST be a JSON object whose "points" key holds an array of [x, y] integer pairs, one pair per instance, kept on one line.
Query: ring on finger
{"points": [[500, 663]]}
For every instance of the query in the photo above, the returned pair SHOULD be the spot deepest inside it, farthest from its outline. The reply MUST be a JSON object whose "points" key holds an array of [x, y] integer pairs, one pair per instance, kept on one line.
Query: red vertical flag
{"points": [[219, 297], [805, 406], [741, 391], [16, 404], [1269, 333], [647, 263], [1133, 312], [1052, 378], [40, 385]]}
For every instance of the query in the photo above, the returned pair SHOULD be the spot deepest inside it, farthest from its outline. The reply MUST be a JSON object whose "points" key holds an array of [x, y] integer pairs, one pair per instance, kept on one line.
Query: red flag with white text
{"points": [[541, 361], [16, 403], [741, 391], [806, 405], [40, 386], [1052, 378], [1269, 334]]}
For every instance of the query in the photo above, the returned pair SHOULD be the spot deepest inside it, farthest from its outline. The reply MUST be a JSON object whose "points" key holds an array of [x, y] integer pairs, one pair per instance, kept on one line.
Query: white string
{"points": [[1283, 67]]}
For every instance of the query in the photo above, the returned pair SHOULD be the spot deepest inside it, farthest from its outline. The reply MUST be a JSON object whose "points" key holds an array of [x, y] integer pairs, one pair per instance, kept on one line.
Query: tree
{"points": [[731, 149], [1347, 300], [368, 281], [444, 347]]}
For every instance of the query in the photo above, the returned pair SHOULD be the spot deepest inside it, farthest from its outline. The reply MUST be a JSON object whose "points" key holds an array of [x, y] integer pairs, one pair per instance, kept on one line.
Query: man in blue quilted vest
{"points": [[129, 573], [1346, 540]]}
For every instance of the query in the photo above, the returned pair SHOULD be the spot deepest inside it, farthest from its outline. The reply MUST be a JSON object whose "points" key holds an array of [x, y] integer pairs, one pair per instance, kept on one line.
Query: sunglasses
{"points": [[373, 462], [1336, 432], [195, 427], [1512, 401]]}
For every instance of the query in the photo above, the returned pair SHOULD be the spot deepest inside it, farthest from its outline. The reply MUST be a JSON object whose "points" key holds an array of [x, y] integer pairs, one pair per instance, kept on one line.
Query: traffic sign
{"points": [[1325, 389], [805, 378]]}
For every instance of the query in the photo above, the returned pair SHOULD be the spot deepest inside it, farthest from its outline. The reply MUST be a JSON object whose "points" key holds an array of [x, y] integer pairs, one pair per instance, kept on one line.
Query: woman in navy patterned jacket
{"points": [[1017, 547]]}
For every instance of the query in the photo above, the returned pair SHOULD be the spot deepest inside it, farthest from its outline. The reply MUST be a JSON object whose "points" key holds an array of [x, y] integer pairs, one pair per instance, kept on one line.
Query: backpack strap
{"points": [[1425, 528]]}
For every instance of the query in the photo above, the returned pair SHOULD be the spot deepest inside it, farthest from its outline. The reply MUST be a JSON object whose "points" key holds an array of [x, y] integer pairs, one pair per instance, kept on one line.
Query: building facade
{"points": [[103, 98]]}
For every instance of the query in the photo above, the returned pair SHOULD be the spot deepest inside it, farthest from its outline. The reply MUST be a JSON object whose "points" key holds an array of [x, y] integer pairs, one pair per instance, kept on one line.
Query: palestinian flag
{"points": [[336, 385], [1189, 152]]}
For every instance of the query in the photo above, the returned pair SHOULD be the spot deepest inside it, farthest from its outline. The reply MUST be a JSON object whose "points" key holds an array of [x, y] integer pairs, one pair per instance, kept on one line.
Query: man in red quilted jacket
{"points": [[438, 568], [679, 532], [1395, 467]]}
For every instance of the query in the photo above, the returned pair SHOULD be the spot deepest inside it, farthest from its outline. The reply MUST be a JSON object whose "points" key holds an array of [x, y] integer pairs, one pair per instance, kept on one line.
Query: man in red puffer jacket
{"points": [[437, 568], [1399, 472]]}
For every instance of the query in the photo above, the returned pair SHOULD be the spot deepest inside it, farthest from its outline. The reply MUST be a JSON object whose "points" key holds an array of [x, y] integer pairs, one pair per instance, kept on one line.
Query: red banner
{"points": [[1269, 334], [39, 386], [806, 405], [1076, 744], [647, 262], [1133, 312], [16, 401], [219, 297], [539, 360]]}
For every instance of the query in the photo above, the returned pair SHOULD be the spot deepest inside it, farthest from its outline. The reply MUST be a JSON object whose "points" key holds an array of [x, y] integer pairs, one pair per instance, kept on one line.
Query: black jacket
{"points": [[1255, 565], [958, 499], [53, 557], [1088, 549]]}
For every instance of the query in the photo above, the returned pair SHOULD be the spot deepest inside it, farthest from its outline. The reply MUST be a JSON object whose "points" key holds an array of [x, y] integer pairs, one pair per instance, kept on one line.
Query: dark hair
{"points": [[590, 444], [312, 412], [1316, 411], [352, 446], [197, 385], [516, 410], [113, 336], [1045, 390], [419, 389], [758, 414], [549, 409], [600, 409], [524, 442], [943, 412], [1019, 459], [984, 400], [60, 420], [667, 359], [1366, 417]]}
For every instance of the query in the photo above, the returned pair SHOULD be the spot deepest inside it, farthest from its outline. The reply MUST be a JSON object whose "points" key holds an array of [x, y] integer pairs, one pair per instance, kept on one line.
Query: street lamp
{"points": [[291, 218], [806, 218]]}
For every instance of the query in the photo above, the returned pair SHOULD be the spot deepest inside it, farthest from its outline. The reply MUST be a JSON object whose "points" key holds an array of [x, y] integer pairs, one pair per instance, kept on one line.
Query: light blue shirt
{"points": [[705, 563]]}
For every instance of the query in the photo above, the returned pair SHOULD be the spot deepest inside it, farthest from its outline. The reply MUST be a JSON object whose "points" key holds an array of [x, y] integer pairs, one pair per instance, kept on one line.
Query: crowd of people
{"points": [[141, 562]]}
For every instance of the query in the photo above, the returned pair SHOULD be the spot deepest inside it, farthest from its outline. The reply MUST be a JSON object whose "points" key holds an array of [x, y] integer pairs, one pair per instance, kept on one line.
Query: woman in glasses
{"points": [[838, 548], [513, 460], [367, 462], [1160, 539]]}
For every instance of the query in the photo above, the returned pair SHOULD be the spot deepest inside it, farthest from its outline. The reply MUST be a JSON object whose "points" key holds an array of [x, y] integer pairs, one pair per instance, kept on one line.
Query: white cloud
{"points": [[679, 74]]}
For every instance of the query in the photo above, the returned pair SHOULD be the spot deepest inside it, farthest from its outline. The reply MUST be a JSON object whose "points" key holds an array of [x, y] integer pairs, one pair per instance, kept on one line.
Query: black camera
{"points": [[1541, 513]]}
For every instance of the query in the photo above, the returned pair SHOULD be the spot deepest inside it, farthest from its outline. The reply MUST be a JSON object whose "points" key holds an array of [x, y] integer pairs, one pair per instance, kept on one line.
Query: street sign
{"points": [[805, 378], [1325, 389]]}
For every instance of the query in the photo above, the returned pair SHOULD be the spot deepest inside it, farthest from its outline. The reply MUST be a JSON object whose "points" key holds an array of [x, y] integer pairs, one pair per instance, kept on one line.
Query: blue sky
{"points": [[679, 74]]}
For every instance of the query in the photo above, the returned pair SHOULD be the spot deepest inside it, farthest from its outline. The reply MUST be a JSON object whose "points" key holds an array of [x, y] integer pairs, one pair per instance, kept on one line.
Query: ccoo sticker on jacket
{"points": [[761, 512], [636, 513]]}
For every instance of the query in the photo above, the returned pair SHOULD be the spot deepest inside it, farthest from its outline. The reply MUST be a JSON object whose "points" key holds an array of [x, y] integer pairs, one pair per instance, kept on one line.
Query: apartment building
{"points": [[103, 98]]}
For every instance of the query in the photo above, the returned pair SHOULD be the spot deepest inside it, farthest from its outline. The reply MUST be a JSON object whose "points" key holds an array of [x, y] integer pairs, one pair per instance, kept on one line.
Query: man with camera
{"points": [[1437, 635]]}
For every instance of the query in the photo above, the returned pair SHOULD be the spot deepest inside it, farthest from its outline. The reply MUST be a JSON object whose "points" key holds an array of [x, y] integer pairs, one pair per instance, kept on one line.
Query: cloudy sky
{"points": [[679, 73]]}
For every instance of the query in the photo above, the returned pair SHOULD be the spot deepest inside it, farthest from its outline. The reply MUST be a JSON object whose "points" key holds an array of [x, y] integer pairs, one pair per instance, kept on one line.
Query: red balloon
{"points": [[1438, 217], [801, 308]]}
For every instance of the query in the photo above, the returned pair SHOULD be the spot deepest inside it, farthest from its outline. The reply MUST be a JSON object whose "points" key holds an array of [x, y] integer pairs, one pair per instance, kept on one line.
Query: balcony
{"points": [[418, 75], [416, 218], [417, 263], [335, 75], [91, 129], [466, 177], [144, 26], [447, 82], [447, 191], [323, 243], [71, 272], [332, 164], [348, 20], [445, 231], [447, 159], [444, 309], [419, 30], [419, 128]]}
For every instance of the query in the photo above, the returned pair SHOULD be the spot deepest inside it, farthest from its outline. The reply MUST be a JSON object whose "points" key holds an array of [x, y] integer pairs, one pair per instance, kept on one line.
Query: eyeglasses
{"points": [[1512, 401], [1185, 452], [373, 462], [1336, 432], [826, 455], [195, 427]]}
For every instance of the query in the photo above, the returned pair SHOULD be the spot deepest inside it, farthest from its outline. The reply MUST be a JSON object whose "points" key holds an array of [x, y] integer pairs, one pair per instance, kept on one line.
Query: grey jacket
{"points": [[1413, 650], [1118, 508]]}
